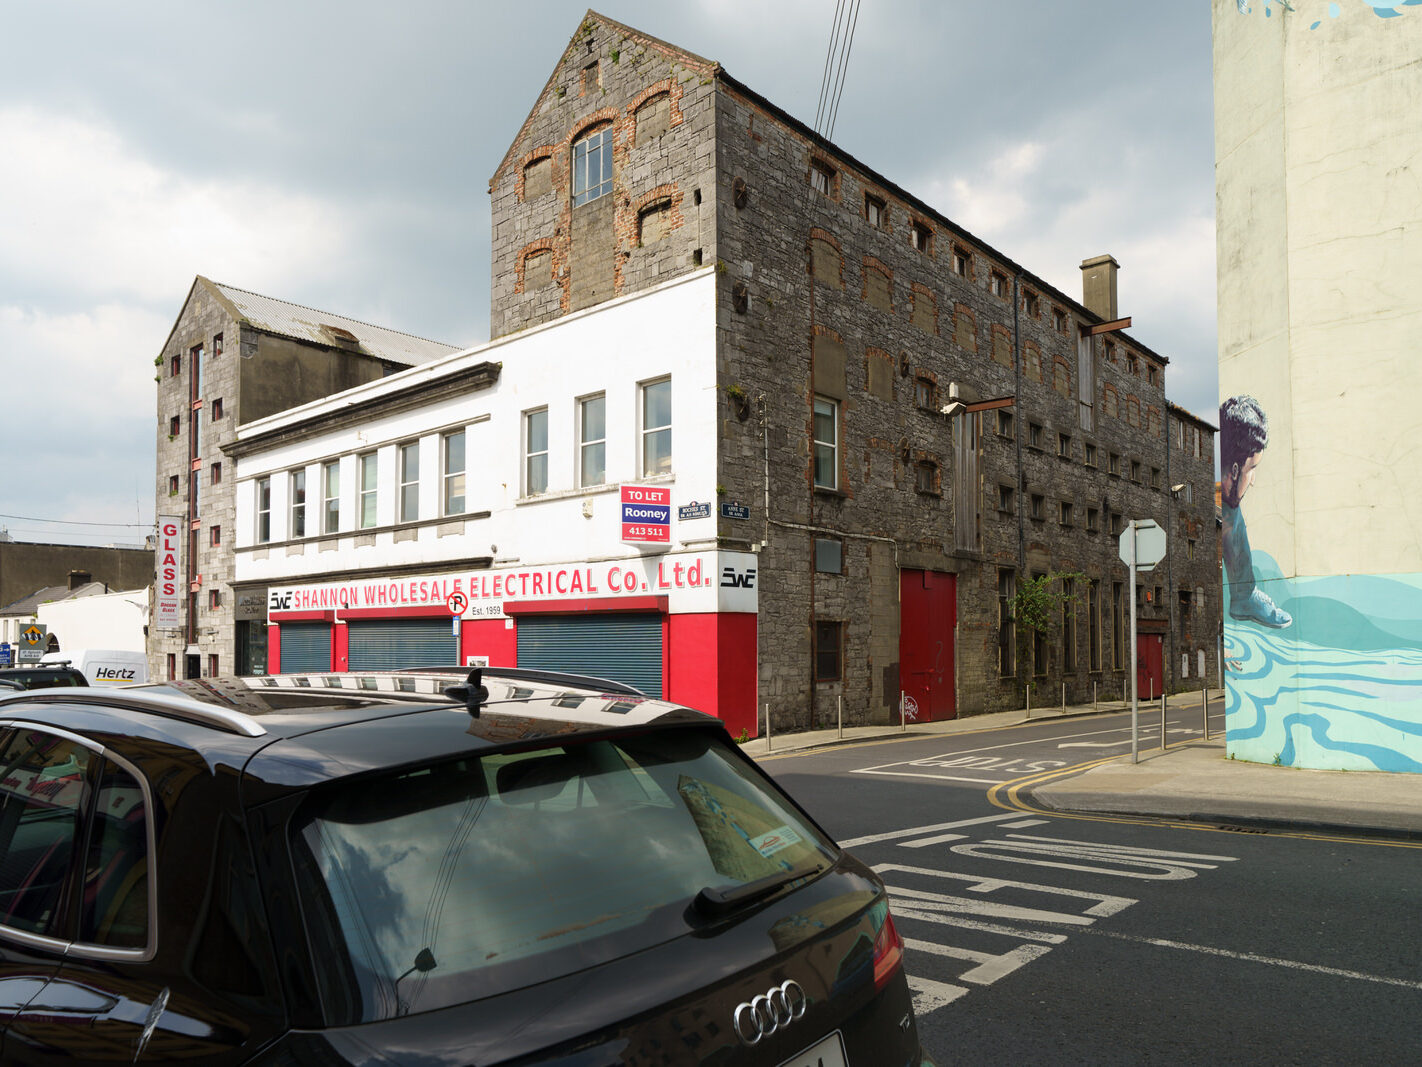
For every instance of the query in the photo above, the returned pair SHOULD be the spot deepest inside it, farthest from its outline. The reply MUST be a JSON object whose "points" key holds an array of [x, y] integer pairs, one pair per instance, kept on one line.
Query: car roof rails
{"points": [[155, 703], [527, 674]]}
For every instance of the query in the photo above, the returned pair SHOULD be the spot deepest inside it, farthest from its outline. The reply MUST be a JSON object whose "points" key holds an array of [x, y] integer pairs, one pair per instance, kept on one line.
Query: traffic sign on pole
{"points": [[1146, 542], [1142, 547], [33, 640]]}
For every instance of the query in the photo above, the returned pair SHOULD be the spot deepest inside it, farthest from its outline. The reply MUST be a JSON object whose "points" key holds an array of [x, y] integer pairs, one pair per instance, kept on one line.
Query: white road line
{"points": [[1251, 957], [938, 840], [929, 995], [1024, 824], [1018, 932], [914, 831], [1129, 850], [991, 965], [940, 777]]}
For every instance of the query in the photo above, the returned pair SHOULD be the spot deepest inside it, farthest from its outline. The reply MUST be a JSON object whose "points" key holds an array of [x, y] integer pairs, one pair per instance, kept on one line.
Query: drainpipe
{"points": [[1017, 442]]}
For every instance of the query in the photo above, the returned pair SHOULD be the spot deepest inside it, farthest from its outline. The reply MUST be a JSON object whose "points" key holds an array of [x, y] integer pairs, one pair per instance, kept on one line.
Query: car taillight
{"points": [[888, 951]]}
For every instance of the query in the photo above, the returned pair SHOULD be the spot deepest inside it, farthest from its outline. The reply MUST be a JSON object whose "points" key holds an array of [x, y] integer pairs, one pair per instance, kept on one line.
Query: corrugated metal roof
{"points": [[324, 328]]}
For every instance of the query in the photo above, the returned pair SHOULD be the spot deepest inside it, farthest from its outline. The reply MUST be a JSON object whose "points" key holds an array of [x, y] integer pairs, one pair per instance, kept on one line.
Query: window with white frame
{"points": [[453, 449], [592, 440], [826, 443], [298, 504], [264, 510], [409, 481], [656, 428], [592, 166], [331, 497], [535, 451], [369, 484]]}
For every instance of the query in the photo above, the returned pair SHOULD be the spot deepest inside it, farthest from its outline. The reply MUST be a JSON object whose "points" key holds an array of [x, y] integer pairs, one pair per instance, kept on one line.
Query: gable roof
{"points": [[285, 319], [319, 327], [680, 55], [28, 605]]}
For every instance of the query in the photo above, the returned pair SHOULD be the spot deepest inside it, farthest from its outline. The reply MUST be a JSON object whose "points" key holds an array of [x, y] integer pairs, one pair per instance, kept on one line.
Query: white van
{"points": [[103, 666]]}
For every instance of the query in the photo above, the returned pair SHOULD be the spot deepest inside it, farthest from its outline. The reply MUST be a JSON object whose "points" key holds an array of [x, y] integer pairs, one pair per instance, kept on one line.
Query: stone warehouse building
{"points": [[234, 357], [914, 421]]}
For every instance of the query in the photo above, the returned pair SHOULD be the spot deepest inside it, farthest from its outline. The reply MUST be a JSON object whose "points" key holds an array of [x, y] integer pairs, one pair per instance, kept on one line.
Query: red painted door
{"points": [[1150, 666], [928, 614]]}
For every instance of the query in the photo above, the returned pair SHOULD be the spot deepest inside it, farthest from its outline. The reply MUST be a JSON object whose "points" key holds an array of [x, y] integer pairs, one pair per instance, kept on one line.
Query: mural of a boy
{"points": [[1244, 433]]}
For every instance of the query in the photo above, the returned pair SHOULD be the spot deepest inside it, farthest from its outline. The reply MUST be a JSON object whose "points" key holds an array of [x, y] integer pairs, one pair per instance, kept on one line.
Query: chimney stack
{"points": [[1098, 286]]}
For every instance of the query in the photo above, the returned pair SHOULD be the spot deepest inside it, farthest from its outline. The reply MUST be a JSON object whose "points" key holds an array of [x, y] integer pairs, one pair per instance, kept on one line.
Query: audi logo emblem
{"points": [[772, 1010]]}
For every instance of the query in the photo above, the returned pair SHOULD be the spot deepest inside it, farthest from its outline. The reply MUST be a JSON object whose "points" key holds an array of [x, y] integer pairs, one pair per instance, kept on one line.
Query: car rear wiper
{"points": [[718, 900]]}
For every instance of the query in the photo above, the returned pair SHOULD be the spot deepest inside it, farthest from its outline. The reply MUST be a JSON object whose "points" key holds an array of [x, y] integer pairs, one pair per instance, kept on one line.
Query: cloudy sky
{"points": [[337, 155]]}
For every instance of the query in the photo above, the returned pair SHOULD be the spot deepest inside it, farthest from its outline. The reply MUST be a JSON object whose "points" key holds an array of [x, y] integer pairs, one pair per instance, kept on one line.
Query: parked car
{"points": [[45, 677], [103, 666], [390, 868]]}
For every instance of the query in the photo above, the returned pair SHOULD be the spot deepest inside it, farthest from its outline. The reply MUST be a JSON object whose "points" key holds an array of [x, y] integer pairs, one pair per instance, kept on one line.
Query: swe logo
{"points": [[731, 578]]}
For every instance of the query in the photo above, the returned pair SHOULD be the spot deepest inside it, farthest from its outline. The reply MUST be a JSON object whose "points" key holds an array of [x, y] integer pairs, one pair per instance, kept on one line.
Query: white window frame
{"points": [[649, 431], [451, 478], [369, 461], [587, 445], [530, 454], [331, 494], [263, 490], [594, 148], [825, 447], [296, 487], [404, 451]]}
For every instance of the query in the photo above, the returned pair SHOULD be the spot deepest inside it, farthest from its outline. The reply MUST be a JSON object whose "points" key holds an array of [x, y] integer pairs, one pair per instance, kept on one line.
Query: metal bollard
{"points": [[1094, 695], [903, 713], [767, 727], [1162, 722], [840, 702], [1029, 700], [1064, 698], [1205, 707]]}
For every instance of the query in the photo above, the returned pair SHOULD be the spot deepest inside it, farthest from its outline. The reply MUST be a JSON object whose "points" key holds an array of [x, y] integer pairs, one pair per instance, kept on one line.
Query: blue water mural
{"points": [[1385, 9], [1340, 688]]}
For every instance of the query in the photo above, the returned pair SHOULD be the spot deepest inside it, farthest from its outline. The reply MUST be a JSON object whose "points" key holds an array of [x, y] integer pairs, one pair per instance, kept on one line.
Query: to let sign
{"points": [[168, 596], [646, 515]]}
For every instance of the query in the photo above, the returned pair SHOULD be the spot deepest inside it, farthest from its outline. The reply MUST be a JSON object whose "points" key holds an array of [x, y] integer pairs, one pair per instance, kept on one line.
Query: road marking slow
{"points": [[914, 831], [929, 995]]}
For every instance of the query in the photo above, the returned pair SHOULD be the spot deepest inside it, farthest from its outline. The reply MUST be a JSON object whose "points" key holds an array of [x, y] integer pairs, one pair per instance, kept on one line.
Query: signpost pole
{"points": [[1135, 678]]}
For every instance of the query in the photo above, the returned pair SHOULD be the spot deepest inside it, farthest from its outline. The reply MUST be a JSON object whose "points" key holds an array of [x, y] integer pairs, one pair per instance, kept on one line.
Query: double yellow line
{"points": [[1008, 796]]}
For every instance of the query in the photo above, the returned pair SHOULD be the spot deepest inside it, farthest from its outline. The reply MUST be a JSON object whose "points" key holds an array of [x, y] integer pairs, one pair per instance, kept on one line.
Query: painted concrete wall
{"points": [[108, 620], [663, 332], [1319, 214]]}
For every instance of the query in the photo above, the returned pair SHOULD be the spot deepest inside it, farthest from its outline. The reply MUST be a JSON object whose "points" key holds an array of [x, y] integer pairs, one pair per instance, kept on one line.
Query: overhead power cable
{"points": [[829, 65], [843, 66], [78, 522]]}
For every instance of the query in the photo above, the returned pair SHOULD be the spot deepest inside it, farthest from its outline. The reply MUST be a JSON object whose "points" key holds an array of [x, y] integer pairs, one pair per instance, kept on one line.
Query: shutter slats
{"points": [[305, 647], [624, 648], [392, 644]]}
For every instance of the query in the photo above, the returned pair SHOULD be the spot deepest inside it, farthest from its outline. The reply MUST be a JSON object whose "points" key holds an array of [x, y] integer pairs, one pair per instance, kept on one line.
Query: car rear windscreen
{"points": [[456, 881]]}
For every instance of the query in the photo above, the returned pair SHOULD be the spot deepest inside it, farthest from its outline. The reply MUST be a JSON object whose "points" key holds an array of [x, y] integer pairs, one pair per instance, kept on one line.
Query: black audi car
{"points": [[519, 868]]}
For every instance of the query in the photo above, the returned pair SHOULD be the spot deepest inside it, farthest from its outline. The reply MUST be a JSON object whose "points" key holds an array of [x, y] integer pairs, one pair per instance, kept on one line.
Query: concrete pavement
{"points": [[1191, 780]]}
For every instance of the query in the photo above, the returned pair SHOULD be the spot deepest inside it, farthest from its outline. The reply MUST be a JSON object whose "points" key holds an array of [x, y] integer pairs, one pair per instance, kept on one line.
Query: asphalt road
{"points": [[1104, 940]]}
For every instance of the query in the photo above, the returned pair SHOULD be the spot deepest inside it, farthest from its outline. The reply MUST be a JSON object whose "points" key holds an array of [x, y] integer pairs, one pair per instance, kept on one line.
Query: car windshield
{"points": [[456, 881]]}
